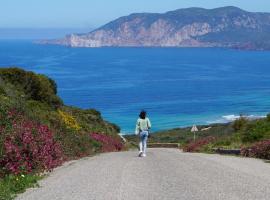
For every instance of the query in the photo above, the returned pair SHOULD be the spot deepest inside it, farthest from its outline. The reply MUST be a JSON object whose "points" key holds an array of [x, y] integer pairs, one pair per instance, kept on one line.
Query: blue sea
{"points": [[177, 86]]}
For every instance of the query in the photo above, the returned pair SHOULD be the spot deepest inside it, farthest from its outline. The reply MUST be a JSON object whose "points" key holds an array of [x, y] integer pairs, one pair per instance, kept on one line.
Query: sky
{"points": [[91, 14]]}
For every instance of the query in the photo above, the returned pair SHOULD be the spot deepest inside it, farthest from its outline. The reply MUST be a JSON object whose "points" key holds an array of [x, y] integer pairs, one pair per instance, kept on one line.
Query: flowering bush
{"points": [[29, 111], [27, 146], [69, 120], [257, 150], [197, 145], [108, 142]]}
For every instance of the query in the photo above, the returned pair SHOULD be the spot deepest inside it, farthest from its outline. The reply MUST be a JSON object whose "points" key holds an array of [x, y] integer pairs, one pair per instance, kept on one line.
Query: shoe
{"points": [[140, 154], [143, 155]]}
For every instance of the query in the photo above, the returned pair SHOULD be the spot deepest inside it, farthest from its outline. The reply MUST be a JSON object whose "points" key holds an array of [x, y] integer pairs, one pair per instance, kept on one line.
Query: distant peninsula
{"points": [[228, 27]]}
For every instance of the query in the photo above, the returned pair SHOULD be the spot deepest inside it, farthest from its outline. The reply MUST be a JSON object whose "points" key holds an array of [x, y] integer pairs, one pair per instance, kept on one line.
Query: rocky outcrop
{"points": [[192, 27]]}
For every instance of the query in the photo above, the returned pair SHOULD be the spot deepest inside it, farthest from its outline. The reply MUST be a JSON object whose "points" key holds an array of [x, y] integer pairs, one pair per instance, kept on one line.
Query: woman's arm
{"points": [[137, 129], [149, 123]]}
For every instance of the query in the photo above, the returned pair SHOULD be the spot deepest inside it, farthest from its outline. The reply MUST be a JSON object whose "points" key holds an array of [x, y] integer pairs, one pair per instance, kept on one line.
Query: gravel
{"points": [[163, 174]]}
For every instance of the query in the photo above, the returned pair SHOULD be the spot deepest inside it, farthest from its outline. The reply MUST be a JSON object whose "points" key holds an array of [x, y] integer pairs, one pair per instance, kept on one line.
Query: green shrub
{"points": [[91, 120], [43, 113], [2, 90], [76, 145], [255, 131], [35, 87], [268, 117], [240, 123], [224, 142]]}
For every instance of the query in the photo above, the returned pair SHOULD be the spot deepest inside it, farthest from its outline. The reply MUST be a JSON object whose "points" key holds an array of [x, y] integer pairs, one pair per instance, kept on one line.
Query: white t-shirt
{"points": [[142, 125]]}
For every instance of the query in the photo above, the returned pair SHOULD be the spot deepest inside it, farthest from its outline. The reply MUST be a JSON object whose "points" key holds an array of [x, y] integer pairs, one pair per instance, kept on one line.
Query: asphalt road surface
{"points": [[163, 174]]}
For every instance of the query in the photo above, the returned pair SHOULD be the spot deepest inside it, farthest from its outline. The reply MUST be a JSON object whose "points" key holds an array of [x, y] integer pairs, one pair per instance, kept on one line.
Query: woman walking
{"points": [[143, 126]]}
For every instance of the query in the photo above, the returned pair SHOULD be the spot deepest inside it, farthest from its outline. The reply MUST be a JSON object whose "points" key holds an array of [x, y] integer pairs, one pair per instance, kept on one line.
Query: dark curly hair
{"points": [[142, 114]]}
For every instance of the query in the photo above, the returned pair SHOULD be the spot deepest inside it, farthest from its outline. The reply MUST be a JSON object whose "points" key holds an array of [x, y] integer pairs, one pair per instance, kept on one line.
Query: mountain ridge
{"points": [[186, 27]]}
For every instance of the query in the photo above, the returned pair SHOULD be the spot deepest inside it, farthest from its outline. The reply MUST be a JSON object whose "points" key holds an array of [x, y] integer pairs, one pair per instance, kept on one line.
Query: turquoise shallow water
{"points": [[177, 86]]}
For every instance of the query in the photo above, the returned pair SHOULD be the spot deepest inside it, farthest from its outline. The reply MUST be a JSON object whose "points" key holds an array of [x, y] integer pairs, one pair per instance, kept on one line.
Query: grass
{"points": [[12, 185]]}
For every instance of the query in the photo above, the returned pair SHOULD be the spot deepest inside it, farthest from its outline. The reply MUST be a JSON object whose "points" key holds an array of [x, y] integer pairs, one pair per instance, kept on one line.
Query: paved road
{"points": [[164, 174]]}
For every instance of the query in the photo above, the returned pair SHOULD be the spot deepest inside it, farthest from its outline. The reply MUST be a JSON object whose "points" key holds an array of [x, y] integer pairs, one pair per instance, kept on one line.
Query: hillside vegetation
{"points": [[183, 135], [252, 137], [38, 132]]}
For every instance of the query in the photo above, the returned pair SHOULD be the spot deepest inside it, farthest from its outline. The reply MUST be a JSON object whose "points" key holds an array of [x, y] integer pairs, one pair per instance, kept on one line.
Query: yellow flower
{"points": [[69, 120], [22, 176]]}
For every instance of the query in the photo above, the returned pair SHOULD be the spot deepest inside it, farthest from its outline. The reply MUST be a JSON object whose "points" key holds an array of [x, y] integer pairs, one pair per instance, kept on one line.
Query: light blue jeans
{"points": [[143, 141]]}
